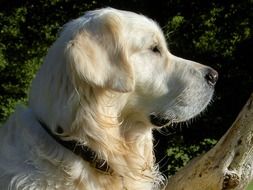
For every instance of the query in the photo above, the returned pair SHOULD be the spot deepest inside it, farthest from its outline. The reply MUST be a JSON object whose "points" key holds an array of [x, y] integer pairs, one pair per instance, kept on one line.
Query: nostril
{"points": [[211, 76]]}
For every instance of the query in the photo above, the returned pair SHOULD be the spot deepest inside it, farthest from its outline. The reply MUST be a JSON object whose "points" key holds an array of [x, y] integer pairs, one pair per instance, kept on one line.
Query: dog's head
{"points": [[122, 57]]}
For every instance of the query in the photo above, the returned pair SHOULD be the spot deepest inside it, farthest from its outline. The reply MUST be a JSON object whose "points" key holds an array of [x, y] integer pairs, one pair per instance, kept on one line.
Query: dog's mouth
{"points": [[159, 121]]}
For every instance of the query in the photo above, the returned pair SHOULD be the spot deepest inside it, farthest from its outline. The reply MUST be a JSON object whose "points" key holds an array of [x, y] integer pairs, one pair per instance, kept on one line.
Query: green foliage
{"points": [[176, 22], [179, 153], [215, 24], [250, 187], [214, 29], [16, 71], [27, 31]]}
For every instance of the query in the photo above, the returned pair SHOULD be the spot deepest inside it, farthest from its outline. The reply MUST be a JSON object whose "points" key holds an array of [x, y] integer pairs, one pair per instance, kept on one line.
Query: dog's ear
{"points": [[97, 54]]}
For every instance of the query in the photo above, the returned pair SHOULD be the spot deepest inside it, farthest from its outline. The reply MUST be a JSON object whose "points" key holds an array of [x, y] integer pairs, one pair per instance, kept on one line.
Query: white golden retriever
{"points": [[105, 84]]}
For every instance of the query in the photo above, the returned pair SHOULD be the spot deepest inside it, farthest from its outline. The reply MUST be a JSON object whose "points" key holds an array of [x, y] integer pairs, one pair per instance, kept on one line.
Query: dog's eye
{"points": [[155, 49]]}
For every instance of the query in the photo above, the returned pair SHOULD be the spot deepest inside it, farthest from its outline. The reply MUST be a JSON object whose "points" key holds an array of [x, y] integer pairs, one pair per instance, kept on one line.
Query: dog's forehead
{"points": [[130, 21], [141, 29], [138, 30], [139, 21]]}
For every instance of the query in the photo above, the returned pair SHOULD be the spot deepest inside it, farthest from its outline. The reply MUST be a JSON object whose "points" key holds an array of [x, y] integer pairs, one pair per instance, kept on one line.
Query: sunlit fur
{"points": [[99, 82]]}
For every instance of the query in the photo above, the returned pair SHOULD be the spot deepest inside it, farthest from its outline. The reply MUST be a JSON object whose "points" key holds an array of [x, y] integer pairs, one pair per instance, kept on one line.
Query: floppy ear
{"points": [[97, 54]]}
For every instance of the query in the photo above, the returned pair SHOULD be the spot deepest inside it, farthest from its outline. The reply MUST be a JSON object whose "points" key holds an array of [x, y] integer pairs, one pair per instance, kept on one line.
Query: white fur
{"points": [[99, 82]]}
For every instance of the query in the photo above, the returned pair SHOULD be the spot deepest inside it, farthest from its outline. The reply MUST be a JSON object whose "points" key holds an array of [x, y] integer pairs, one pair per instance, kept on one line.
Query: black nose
{"points": [[211, 76]]}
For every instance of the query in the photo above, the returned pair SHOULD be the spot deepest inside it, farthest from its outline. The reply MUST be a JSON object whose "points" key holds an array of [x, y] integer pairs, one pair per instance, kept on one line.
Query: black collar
{"points": [[84, 152]]}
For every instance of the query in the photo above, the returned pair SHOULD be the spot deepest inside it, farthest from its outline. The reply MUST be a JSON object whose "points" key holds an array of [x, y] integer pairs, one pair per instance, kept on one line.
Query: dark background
{"points": [[215, 33]]}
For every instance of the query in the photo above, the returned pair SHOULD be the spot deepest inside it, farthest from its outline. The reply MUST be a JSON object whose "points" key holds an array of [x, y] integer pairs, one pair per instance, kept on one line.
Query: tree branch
{"points": [[228, 165]]}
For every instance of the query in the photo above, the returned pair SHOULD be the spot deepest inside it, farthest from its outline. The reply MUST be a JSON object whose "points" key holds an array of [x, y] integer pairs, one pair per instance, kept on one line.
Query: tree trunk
{"points": [[228, 165]]}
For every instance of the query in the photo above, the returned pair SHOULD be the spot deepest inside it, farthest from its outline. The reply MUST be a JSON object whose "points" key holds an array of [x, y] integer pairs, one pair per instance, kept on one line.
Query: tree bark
{"points": [[228, 165]]}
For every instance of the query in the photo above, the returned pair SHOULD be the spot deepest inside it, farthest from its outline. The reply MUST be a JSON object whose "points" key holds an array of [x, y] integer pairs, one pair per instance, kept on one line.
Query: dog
{"points": [[106, 83]]}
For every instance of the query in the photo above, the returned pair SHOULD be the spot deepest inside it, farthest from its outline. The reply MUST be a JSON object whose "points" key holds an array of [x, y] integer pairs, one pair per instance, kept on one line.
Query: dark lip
{"points": [[158, 120]]}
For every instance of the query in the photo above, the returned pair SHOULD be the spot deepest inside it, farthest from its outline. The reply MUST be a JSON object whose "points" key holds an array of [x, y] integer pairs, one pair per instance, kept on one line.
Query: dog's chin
{"points": [[158, 121], [168, 119]]}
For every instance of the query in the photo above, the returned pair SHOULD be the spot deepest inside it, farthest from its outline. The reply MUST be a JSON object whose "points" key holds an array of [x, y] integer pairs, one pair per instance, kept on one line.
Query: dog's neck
{"points": [[121, 140], [84, 152]]}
